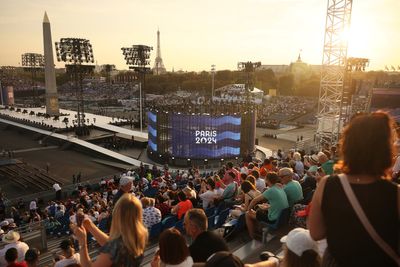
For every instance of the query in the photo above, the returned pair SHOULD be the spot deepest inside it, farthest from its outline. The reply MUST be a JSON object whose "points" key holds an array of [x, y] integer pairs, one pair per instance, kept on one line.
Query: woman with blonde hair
{"points": [[127, 240]]}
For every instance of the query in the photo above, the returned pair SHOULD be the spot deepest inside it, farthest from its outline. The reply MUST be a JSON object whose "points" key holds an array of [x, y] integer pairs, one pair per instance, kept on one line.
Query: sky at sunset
{"points": [[197, 34]]}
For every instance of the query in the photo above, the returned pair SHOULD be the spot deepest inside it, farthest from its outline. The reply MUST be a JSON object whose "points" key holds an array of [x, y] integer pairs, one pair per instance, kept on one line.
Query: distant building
{"points": [[277, 69]]}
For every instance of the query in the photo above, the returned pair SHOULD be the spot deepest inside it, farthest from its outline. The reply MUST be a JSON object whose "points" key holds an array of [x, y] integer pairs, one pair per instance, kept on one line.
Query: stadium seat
{"points": [[168, 222], [282, 220], [221, 218], [211, 222], [156, 230], [151, 192], [179, 226], [210, 211], [234, 226]]}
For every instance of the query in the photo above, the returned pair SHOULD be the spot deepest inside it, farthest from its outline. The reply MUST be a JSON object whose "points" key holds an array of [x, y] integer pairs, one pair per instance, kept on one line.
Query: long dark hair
{"points": [[367, 146]]}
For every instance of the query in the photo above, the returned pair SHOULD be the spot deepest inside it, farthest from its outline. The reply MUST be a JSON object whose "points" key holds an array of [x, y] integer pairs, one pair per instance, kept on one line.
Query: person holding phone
{"points": [[127, 240]]}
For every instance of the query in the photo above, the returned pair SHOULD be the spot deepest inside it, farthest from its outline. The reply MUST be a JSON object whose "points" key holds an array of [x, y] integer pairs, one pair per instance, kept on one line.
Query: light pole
{"points": [[33, 62], [77, 52], [138, 58], [212, 81]]}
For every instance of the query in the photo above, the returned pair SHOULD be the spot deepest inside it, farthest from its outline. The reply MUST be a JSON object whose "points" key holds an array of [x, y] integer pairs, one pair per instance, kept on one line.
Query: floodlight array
{"points": [[137, 56], [32, 60], [74, 50]]}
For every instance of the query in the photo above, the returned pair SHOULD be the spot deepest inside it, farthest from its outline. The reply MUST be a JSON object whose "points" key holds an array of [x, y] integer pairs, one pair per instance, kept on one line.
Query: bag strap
{"points": [[364, 220]]}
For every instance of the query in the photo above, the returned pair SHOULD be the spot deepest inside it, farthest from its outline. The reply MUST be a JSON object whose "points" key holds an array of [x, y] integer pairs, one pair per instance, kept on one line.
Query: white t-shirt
{"points": [[21, 247], [32, 205], [260, 184], [186, 263], [208, 197], [65, 262], [56, 187]]}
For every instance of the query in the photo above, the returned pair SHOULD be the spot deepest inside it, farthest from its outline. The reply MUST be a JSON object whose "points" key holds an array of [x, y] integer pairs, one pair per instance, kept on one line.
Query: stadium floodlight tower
{"points": [[137, 58], [77, 52], [213, 70], [249, 68], [33, 63], [329, 121]]}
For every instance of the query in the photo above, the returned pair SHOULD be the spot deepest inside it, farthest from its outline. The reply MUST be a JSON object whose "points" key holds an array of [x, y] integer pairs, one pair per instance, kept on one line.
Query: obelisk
{"points": [[49, 71]]}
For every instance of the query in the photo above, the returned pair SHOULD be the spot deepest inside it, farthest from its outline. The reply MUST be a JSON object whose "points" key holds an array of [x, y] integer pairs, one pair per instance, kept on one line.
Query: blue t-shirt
{"points": [[277, 200]]}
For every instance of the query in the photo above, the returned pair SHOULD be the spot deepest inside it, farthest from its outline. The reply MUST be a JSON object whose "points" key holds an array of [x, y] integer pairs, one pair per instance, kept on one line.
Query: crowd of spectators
{"points": [[281, 108], [121, 213]]}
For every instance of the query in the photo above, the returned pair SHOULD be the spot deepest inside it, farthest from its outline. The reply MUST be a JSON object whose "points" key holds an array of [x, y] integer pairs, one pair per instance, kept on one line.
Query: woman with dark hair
{"points": [[162, 205], [250, 192], [173, 250], [183, 206], [366, 151]]}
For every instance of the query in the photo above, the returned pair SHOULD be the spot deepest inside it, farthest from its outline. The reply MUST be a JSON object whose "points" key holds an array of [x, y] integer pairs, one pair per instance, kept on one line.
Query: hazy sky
{"points": [[196, 34]]}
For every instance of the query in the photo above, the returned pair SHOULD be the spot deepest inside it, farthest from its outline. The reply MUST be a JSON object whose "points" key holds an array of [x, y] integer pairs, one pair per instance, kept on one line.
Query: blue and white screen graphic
{"points": [[204, 136], [152, 128]]}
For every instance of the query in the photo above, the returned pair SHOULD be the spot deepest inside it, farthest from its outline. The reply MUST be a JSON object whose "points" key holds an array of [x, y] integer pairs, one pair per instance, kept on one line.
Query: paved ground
{"points": [[63, 163]]}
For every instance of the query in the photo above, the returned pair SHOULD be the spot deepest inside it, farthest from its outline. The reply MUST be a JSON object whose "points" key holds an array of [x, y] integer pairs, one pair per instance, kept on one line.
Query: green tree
{"points": [[285, 85]]}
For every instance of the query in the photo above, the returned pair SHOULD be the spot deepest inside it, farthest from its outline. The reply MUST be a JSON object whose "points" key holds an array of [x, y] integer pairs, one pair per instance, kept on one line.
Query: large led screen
{"points": [[204, 136], [152, 128]]}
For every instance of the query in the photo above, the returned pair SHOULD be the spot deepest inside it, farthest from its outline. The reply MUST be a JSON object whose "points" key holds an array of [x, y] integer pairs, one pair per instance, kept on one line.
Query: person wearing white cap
{"points": [[125, 186], [12, 240], [299, 250]]}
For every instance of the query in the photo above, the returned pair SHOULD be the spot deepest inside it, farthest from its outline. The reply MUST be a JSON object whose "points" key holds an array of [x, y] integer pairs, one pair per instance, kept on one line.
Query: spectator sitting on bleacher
{"points": [[11, 258], [230, 190], [326, 163], [299, 166], [205, 243], [183, 205], [277, 201], [291, 187], [162, 205], [125, 186], [32, 257], [250, 192], [127, 240], [208, 193], [299, 250], [68, 252], [151, 215], [173, 251], [12, 238]]}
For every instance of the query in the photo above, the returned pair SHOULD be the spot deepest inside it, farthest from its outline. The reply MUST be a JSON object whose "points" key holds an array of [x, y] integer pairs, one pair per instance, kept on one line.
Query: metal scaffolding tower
{"points": [[333, 71]]}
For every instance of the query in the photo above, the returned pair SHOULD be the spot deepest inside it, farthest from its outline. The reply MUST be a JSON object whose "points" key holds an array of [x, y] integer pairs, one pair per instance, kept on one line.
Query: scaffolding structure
{"points": [[333, 72]]}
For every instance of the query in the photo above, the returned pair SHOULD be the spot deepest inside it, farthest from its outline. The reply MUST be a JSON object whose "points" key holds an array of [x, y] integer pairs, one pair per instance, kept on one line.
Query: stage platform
{"points": [[101, 122], [72, 139]]}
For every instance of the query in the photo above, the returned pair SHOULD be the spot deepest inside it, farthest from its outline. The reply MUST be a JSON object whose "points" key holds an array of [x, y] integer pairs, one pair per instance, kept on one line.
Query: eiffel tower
{"points": [[158, 63]]}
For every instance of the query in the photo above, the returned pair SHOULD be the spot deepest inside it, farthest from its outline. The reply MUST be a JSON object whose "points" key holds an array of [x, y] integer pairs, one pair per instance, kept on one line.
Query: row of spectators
{"points": [[141, 199]]}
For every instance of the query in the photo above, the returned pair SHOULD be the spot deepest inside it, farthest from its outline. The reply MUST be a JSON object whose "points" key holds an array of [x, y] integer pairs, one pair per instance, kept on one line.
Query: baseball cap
{"points": [[125, 180], [299, 240]]}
